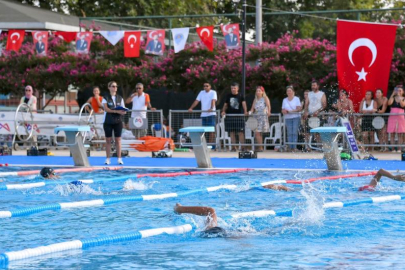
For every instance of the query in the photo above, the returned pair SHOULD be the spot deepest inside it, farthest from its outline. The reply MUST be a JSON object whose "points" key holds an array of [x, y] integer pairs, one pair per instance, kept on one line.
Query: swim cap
{"points": [[367, 188], [46, 172], [214, 232]]}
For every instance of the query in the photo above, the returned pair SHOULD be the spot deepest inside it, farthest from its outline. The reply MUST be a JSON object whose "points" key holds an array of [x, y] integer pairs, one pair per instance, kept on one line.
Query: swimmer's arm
{"points": [[209, 212], [277, 187], [385, 173]]}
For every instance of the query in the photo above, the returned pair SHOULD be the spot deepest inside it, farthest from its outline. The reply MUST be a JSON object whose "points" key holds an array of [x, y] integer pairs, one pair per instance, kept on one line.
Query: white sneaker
{"points": [[120, 161], [107, 161]]}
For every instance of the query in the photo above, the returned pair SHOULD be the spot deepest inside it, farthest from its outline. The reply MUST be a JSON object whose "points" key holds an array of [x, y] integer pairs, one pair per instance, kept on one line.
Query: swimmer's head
{"points": [[47, 172], [214, 232]]}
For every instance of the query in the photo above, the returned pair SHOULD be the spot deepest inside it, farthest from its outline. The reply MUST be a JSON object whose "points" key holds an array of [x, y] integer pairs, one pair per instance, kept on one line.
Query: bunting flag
{"points": [[180, 36], [231, 34], [15, 39], [66, 36], [155, 44], [113, 36], [40, 42], [364, 54], [83, 40], [206, 34], [132, 44]]}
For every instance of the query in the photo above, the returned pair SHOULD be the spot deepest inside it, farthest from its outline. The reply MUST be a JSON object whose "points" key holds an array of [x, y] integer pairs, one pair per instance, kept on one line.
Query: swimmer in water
{"points": [[277, 187], [211, 221], [377, 177], [48, 173]]}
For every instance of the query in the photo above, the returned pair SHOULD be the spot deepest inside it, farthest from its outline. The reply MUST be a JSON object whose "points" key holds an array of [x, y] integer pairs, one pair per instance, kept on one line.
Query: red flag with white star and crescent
{"points": [[364, 54], [132, 43], [14, 40], [206, 34]]}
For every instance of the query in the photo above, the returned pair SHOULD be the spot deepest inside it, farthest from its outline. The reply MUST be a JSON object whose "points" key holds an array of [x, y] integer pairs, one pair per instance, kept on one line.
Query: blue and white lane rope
{"points": [[289, 211], [7, 257], [61, 182], [107, 201]]}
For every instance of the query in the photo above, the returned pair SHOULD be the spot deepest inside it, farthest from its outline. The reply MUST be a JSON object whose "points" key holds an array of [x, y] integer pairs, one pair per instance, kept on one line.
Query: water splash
{"points": [[133, 185], [66, 190]]}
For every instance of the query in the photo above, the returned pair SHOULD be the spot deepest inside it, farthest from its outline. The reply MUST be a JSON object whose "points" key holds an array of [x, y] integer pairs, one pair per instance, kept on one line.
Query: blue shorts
{"points": [[209, 121]]}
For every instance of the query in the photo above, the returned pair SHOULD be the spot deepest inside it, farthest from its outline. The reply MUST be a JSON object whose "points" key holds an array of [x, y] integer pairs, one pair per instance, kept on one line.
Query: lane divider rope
{"points": [[90, 169], [7, 257]]}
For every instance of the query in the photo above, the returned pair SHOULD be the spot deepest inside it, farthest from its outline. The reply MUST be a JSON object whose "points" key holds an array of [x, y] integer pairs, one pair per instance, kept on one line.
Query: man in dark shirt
{"points": [[235, 104]]}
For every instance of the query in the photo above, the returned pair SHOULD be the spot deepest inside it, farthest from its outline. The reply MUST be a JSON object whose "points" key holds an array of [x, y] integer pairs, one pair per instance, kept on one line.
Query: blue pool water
{"points": [[362, 237]]}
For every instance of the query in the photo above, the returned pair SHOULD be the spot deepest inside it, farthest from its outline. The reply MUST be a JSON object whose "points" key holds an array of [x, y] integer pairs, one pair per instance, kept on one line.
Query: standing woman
{"points": [[382, 105], [95, 101], [261, 108], [368, 107], [113, 121], [291, 110], [396, 123]]}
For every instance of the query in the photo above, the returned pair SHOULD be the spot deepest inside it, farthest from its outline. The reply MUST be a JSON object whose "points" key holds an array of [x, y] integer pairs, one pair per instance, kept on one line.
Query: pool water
{"points": [[362, 236]]}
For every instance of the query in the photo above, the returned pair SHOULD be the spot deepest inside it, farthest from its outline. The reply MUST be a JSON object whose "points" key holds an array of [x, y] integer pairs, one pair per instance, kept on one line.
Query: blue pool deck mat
{"points": [[219, 163]]}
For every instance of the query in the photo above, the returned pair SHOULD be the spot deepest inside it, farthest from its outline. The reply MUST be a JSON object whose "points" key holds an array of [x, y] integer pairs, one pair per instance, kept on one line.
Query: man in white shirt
{"points": [[208, 98], [140, 102], [315, 105]]}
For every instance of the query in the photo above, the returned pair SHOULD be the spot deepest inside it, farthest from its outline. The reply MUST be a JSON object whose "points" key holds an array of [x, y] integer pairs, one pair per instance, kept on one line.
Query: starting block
{"points": [[74, 139], [199, 144]]}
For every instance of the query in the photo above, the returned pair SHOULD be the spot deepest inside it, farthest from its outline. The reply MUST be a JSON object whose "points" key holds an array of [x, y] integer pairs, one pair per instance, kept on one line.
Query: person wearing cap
{"points": [[48, 173], [381, 172]]}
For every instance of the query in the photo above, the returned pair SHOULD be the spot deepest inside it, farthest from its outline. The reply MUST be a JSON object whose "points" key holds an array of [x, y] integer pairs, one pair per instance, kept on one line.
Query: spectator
{"points": [[368, 107], [113, 121], [291, 110], [235, 104], [344, 104], [208, 99], [95, 101], [396, 123], [140, 102], [261, 108], [382, 105], [31, 102], [29, 98], [315, 105]]}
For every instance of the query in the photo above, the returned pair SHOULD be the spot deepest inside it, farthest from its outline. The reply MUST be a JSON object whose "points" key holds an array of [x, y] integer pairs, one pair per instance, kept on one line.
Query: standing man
{"points": [[208, 98], [140, 102], [235, 104], [315, 105]]}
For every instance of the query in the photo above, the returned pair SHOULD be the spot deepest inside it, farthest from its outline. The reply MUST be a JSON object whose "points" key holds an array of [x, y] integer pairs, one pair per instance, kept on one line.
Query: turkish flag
{"points": [[14, 40], [364, 54], [155, 43], [132, 43], [206, 34], [66, 36], [40, 42], [231, 35], [83, 41]]}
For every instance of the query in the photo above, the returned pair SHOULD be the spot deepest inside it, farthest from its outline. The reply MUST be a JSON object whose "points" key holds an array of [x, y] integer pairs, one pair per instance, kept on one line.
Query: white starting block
{"points": [[330, 146], [74, 139], [199, 144]]}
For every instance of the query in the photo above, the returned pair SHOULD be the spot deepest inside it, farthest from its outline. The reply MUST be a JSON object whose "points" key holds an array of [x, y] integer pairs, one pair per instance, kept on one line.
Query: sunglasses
{"points": [[114, 86], [206, 86], [138, 88], [27, 90]]}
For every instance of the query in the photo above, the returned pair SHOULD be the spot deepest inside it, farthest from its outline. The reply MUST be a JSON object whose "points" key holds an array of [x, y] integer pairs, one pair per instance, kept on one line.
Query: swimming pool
{"points": [[359, 236]]}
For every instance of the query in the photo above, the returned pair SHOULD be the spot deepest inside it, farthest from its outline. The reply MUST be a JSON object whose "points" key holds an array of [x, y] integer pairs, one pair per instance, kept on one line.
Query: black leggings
{"points": [[109, 128]]}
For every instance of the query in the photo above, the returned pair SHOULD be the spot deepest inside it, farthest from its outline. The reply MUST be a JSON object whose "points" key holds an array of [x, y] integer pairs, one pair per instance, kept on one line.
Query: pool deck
{"points": [[185, 160]]}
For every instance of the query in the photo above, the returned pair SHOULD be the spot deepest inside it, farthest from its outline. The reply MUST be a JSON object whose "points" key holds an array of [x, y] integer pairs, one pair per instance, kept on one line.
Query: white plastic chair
{"points": [[223, 135], [275, 133], [249, 136], [158, 133]]}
